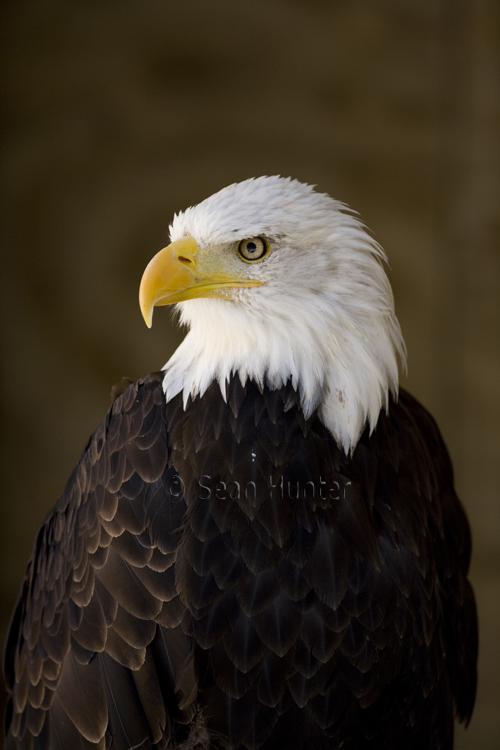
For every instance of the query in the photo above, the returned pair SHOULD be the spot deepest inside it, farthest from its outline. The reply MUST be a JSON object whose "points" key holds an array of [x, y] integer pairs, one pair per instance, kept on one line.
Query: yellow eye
{"points": [[253, 249]]}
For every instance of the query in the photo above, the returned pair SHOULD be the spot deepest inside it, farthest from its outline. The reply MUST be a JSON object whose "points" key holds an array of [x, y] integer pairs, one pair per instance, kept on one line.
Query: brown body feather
{"points": [[225, 576]]}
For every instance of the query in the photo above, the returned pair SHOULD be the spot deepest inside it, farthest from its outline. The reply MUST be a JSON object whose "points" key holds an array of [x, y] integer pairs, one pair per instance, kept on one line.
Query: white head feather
{"points": [[324, 318]]}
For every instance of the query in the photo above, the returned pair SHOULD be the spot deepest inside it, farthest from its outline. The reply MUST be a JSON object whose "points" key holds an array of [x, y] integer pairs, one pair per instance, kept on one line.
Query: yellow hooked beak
{"points": [[175, 275]]}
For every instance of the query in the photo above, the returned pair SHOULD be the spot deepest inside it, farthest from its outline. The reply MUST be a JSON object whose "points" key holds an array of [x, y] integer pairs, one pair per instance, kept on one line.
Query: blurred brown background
{"points": [[117, 114]]}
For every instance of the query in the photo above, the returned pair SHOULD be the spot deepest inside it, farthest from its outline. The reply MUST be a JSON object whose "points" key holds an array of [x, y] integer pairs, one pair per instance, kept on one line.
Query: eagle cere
{"points": [[261, 546]]}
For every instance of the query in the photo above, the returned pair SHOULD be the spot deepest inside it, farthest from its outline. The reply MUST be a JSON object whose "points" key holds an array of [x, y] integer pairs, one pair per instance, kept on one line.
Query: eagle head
{"points": [[279, 283]]}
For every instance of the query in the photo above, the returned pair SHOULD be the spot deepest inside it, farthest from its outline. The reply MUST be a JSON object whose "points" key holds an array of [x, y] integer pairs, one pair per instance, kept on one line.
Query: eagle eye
{"points": [[253, 249]]}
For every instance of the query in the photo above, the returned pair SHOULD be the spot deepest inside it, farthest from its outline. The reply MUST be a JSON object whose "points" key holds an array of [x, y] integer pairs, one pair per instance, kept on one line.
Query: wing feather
{"points": [[80, 658]]}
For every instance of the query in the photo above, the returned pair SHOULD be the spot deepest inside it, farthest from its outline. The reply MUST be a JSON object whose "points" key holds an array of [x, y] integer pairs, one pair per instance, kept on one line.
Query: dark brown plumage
{"points": [[225, 576]]}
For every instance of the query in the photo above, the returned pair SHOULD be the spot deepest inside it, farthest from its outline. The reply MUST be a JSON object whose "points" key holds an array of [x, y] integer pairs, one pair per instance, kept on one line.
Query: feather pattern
{"points": [[80, 657], [306, 594]]}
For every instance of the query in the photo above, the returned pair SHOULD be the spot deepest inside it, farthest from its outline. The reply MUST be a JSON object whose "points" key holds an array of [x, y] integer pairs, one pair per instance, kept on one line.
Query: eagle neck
{"points": [[336, 374]]}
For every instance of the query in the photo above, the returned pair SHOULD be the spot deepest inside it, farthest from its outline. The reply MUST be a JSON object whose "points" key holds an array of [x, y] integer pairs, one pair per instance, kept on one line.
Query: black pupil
{"points": [[251, 247]]}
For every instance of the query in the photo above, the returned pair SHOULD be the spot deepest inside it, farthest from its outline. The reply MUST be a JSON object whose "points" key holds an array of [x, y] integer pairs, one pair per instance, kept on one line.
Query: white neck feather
{"points": [[333, 367]]}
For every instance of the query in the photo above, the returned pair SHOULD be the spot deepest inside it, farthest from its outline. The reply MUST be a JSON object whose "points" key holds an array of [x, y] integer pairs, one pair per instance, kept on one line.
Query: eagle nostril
{"points": [[183, 259]]}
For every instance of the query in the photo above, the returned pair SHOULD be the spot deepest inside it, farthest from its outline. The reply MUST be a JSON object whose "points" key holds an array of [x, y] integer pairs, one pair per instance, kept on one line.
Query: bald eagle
{"points": [[261, 545]]}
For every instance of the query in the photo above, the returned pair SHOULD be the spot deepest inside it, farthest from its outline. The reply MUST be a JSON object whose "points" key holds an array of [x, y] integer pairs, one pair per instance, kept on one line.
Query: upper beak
{"points": [[173, 275]]}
